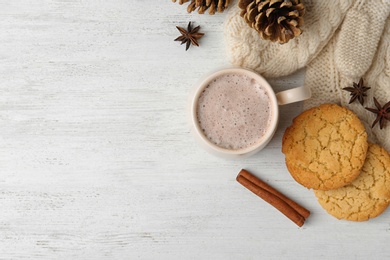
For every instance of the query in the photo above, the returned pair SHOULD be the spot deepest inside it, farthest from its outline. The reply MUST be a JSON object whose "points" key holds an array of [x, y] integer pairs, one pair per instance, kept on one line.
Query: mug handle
{"points": [[293, 95]]}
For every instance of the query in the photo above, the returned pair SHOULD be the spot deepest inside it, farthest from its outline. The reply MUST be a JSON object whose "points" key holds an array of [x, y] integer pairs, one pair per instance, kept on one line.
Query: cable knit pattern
{"points": [[245, 48], [322, 78], [326, 83], [359, 36]]}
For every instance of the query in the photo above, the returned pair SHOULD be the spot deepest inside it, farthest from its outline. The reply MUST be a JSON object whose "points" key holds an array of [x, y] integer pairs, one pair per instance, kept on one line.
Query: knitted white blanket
{"points": [[335, 51], [326, 82], [245, 47]]}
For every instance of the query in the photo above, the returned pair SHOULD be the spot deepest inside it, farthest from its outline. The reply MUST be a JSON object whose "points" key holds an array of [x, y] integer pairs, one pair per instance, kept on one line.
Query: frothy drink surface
{"points": [[234, 111]]}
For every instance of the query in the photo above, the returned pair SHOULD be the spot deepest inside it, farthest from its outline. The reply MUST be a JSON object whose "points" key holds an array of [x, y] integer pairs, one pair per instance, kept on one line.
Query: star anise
{"points": [[358, 91], [382, 113], [189, 36]]}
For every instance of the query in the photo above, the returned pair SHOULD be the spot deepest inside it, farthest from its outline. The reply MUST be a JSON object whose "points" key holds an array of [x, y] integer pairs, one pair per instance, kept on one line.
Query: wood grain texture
{"points": [[96, 158]]}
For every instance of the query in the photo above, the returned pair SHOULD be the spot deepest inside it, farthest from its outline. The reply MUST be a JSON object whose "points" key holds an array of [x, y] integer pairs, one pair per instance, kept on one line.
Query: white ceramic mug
{"points": [[281, 98]]}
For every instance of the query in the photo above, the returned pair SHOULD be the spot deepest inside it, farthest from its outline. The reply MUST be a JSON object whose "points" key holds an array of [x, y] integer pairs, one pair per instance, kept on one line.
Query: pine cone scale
{"points": [[269, 11], [261, 22], [272, 2], [252, 14], [281, 19], [261, 5], [293, 14], [286, 4]]}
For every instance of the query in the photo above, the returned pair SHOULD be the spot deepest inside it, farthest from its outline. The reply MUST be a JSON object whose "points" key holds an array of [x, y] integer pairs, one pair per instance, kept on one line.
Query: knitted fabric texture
{"points": [[359, 36], [326, 82], [245, 48]]}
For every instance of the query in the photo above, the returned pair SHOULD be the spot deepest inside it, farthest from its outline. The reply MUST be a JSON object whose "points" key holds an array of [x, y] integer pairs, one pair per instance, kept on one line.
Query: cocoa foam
{"points": [[234, 111]]}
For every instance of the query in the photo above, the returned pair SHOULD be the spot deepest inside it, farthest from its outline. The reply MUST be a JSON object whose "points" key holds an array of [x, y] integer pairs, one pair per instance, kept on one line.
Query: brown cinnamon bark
{"points": [[255, 180], [289, 208]]}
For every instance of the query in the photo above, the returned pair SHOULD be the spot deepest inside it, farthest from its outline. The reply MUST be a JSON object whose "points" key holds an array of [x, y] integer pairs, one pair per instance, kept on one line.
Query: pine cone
{"points": [[275, 20], [202, 5]]}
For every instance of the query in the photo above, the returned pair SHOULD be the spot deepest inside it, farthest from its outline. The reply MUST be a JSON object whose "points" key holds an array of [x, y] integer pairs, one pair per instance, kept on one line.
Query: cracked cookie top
{"points": [[325, 147], [367, 196]]}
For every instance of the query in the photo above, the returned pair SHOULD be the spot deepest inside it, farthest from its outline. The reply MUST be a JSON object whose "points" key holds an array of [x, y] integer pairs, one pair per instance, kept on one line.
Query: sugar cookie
{"points": [[325, 147], [367, 196]]}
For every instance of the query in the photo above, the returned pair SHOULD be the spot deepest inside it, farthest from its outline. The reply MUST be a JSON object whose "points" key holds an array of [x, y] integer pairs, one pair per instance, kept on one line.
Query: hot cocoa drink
{"points": [[234, 111]]}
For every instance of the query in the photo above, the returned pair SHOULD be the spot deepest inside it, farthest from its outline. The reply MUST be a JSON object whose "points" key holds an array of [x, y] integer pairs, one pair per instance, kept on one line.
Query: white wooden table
{"points": [[96, 160]]}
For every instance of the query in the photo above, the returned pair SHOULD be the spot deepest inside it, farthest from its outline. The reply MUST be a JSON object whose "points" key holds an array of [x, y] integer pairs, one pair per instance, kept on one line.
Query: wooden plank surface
{"points": [[96, 158]]}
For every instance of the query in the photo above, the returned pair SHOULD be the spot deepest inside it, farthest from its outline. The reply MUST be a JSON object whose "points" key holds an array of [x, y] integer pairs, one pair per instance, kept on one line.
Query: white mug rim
{"points": [[274, 116]]}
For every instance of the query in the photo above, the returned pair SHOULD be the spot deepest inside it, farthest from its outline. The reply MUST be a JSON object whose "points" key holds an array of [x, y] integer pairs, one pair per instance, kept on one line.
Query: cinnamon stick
{"points": [[255, 180], [289, 208]]}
